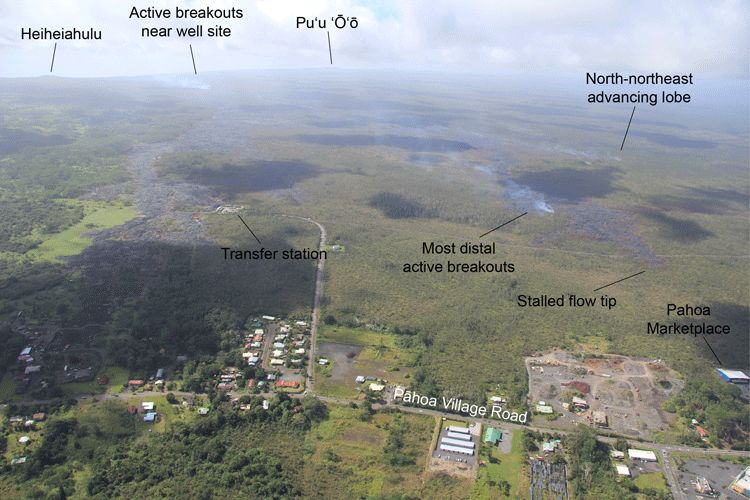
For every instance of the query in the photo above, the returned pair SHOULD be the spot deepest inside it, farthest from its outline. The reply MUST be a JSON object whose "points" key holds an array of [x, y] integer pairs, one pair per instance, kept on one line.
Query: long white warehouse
{"points": [[648, 456], [456, 442], [456, 449]]}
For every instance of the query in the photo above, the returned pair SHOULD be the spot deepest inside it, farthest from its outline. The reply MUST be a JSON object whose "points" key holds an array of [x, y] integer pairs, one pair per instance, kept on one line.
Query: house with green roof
{"points": [[493, 436], [549, 447]]}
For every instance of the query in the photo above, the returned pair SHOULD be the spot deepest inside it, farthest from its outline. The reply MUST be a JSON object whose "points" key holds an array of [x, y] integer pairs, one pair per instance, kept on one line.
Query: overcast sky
{"points": [[555, 37]]}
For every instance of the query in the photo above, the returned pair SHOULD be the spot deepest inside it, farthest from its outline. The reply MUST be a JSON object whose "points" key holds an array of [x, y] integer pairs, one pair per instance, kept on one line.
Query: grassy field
{"points": [[117, 378], [457, 423], [330, 388], [8, 388], [84, 388], [345, 441], [500, 467], [654, 480], [99, 215]]}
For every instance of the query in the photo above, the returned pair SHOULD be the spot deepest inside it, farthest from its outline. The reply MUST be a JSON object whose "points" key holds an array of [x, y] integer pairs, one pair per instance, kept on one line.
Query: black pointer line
{"points": [[196, 72], [605, 286], [626, 130], [501, 225], [248, 228], [330, 54], [712, 350], [53, 58]]}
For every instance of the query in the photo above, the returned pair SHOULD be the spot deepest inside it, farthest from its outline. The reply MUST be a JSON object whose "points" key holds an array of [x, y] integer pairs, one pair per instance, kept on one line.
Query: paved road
{"points": [[660, 449], [674, 484], [270, 334], [317, 297]]}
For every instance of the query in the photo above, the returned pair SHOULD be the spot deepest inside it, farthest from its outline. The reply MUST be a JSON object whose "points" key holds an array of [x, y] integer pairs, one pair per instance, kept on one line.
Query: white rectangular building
{"points": [[456, 442], [460, 436], [648, 456], [622, 470], [456, 449]]}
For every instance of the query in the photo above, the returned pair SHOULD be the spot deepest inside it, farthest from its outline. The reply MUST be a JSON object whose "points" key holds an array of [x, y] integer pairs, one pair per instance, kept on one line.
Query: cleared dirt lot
{"points": [[346, 365], [629, 390], [341, 357]]}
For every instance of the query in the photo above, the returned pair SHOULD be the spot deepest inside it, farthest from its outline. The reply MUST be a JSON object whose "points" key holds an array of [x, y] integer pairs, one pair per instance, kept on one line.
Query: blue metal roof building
{"points": [[733, 376]]}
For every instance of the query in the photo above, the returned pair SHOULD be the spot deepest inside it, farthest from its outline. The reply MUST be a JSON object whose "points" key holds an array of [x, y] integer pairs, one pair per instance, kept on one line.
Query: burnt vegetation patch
{"points": [[571, 184], [13, 140], [232, 178], [674, 141], [396, 206], [729, 195], [689, 204], [681, 230]]}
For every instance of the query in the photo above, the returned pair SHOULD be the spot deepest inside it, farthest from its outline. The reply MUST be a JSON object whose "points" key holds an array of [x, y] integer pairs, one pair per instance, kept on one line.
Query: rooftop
{"points": [[733, 374]]}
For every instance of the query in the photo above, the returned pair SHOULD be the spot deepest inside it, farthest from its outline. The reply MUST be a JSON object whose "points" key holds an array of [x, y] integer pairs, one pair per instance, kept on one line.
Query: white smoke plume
{"points": [[524, 198], [184, 82]]}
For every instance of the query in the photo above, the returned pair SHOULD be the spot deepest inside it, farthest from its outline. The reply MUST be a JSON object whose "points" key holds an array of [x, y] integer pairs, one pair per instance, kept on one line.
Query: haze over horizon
{"points": [[710, 39]]}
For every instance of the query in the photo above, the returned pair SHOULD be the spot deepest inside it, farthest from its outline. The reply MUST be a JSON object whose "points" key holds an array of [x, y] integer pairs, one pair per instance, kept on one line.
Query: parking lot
{"points": [[504, 446], [719, 474], [639, 467], [460, 458]]}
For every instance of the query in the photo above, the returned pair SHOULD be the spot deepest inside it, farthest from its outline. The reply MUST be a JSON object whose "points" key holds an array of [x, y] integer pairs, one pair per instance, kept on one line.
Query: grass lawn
{"points": [[117, 377], [291, 390], [83, 388], [99, 215], [350, 437], [358, 446], [654, 480], [8, 387], [457, 423], [500, 467], [326, 386], [354, 336]]}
